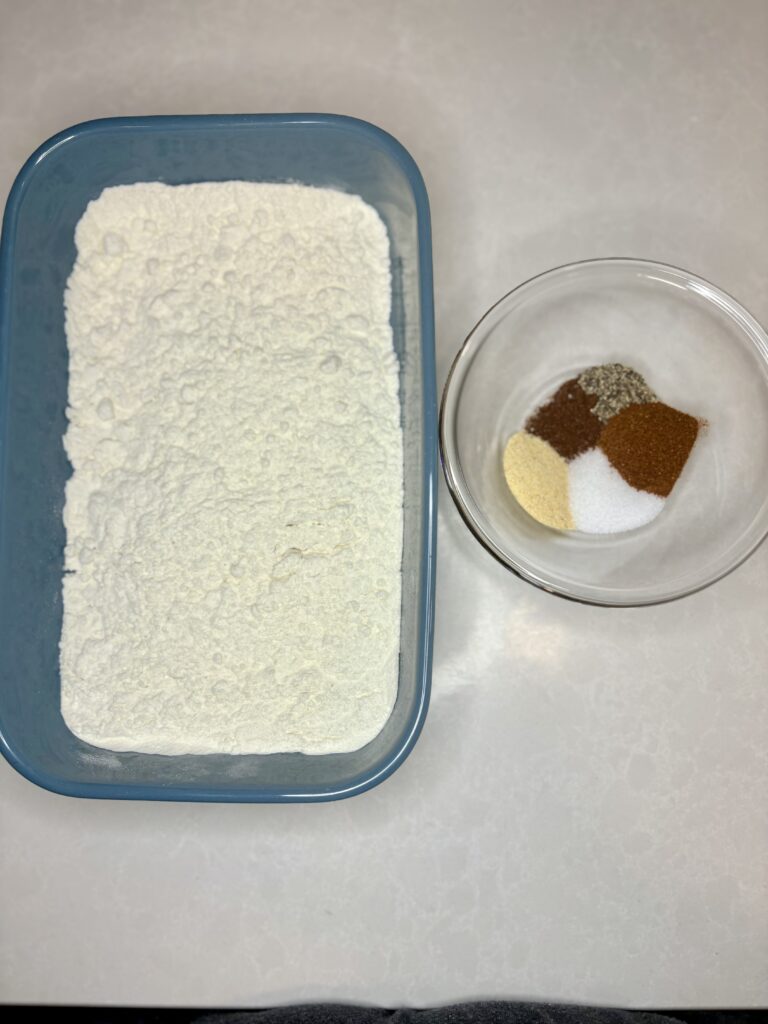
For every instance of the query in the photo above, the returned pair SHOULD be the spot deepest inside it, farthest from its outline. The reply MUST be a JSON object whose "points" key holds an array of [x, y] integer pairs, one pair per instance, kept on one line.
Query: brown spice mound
{"points": [[566, 421], [649, 445]]}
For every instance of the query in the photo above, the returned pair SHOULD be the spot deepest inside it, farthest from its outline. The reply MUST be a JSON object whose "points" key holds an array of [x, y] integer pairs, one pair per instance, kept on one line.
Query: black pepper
{"points": [[615, 387]]}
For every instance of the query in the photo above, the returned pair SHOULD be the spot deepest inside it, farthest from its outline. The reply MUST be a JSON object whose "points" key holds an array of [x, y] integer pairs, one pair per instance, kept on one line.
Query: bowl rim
{"points": [[451, 462], [403, 745]]}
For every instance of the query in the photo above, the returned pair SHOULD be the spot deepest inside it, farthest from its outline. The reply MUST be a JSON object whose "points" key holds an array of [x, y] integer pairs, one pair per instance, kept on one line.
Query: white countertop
{"points": [[586, 814]]}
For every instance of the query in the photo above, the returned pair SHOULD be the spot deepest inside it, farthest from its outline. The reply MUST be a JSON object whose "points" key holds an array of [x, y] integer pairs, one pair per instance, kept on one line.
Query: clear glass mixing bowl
{"points": [[699, 350]]}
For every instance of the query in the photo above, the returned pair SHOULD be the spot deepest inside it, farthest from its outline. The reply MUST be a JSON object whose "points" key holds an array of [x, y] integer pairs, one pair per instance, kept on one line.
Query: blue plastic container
{"points": [[36, 256]]}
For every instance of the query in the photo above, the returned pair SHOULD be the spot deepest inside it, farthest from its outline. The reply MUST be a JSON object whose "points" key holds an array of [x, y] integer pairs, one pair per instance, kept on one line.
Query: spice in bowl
{"points": [[601, 455], [614, 387]]}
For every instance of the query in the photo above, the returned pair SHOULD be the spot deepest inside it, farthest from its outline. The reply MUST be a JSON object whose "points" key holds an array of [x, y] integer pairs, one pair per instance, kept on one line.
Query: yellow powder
{"points": [[538, 478]]}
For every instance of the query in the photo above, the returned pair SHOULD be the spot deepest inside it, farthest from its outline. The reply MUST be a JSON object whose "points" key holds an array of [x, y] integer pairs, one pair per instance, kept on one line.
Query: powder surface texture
{"points": [[234, 518], [650, 444], [602, 502], [614, 387], [538, 478], [567, 421]]}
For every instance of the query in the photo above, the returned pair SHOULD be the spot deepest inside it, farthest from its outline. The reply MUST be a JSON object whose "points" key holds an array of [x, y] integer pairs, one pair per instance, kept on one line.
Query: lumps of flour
{"points": [[234, 516]]}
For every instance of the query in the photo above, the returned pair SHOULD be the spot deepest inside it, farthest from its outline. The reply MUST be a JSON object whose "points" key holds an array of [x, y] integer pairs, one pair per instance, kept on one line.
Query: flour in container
{"points": [[234, 516]]}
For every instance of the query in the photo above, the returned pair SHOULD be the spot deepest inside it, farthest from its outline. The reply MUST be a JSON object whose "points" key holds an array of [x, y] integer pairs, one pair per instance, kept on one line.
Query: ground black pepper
{"points": [[615, 387]]}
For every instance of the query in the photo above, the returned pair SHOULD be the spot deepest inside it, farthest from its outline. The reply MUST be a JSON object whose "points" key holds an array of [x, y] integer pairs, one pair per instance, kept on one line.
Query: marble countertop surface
{"points": [[586, 814]]}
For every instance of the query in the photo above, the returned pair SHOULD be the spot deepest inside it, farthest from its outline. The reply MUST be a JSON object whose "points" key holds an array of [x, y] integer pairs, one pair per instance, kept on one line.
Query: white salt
{"points": [[602, 501]]}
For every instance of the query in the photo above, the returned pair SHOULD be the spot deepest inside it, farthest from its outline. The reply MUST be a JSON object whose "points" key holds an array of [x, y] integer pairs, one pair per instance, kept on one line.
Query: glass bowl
{"points": [[699, 350]]}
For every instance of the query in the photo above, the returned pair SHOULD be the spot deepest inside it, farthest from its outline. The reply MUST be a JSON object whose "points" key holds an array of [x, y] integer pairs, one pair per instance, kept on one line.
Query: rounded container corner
{"points": [[62, 783]]}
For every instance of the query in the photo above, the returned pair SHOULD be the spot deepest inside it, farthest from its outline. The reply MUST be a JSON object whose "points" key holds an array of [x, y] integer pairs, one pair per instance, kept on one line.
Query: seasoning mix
{"points": [[601, 455]]}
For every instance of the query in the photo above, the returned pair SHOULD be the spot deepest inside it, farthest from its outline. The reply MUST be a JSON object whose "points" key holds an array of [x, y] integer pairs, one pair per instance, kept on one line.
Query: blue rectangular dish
{"points": [[36, 257]]}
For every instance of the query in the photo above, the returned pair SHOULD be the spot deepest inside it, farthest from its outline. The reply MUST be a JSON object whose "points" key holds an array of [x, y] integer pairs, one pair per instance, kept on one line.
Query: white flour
{"points": [[234, 520]]}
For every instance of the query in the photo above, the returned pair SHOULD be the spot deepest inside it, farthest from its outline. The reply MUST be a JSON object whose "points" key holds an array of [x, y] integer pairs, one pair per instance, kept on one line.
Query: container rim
{"points": [[403, 159], [451, 462]]}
